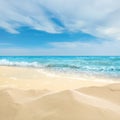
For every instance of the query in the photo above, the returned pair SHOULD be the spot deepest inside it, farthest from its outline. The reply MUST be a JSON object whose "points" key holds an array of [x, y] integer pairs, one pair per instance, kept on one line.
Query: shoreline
{"points": [[24, 77]]}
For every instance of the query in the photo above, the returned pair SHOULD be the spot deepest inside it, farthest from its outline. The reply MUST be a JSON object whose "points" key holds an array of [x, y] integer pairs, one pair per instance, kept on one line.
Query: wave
{"points": [[61, 66], [5, 62]]}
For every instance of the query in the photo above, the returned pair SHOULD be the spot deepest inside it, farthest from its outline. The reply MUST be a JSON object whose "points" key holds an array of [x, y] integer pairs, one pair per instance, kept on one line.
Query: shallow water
{"points": [[89, 65]]}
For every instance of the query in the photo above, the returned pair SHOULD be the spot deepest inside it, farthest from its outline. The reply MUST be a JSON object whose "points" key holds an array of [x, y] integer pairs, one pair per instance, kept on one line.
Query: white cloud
{"points": [[15, 14], [83, 48], [96, 17], [68, 48], [64, 44]]}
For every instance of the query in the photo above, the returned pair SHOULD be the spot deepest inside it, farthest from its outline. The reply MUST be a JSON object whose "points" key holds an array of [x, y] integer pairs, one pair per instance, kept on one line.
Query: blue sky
{"points": [[58, 27]]}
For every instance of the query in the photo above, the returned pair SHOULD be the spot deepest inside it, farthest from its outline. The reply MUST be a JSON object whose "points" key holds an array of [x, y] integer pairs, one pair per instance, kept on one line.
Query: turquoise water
{"points": [[109, 65]]}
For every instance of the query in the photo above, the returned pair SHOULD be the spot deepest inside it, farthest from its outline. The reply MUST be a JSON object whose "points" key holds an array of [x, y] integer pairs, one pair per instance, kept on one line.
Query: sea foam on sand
{"points": [[67, 100]]}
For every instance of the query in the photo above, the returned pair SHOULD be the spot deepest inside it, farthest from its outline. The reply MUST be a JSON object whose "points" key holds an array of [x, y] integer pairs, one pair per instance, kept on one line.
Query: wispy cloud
{"points": [[14, 14], [98, 18], [69, 45], [67, 48]]}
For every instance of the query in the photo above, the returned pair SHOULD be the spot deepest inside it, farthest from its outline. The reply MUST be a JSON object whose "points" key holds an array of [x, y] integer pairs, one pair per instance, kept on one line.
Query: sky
{"points": [[60, 27]]}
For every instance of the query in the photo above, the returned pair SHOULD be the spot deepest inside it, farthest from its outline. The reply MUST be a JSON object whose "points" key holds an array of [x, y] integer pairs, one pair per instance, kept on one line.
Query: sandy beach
{"points": [[33, 94], [59, 60]]}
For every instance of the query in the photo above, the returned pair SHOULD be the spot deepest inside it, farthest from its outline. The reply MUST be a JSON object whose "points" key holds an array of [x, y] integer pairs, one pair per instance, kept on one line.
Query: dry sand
{"points": [[30, 94]]}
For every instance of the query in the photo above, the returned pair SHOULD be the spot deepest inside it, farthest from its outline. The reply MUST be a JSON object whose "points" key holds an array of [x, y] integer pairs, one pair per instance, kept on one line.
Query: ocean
{"points": [[108, 66]]}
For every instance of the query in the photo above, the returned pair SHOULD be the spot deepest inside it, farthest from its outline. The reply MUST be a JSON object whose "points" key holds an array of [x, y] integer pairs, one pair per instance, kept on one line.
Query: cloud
{"points": [[84, 48], [14, 14], [98, 18], [64, 44], [74, 45], [67, 48]]}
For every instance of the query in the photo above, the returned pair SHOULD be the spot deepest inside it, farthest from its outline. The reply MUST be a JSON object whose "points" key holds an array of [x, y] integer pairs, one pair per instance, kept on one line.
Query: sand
{"points": [[31, 94]]}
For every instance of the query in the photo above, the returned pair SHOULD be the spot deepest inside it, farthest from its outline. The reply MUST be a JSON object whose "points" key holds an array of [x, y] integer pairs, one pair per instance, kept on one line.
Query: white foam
{"points": [[5, 62]]}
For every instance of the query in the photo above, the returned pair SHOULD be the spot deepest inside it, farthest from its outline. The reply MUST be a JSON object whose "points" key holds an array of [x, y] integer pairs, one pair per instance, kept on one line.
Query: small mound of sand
{"points": [[92, 103], [109, 92]]}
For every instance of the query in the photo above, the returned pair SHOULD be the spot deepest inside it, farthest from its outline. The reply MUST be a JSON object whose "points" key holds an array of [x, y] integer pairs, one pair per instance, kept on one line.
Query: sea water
{"points": [[89, 65]]}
